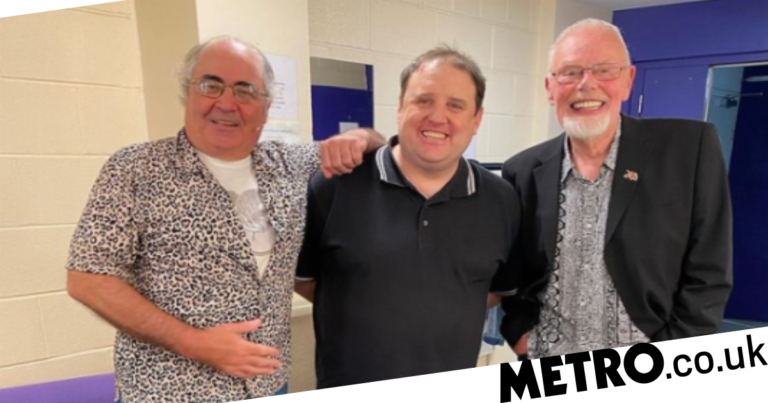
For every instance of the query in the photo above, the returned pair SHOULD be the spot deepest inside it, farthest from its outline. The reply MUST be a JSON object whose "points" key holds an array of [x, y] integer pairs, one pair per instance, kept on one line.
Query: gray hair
{"points": [[184, 70], [456, 59], [589, 23]]}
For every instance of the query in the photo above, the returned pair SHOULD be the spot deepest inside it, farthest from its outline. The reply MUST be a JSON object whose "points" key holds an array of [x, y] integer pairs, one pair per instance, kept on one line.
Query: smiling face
{"points": [[589, 108], [224, 128], [437, 117]]}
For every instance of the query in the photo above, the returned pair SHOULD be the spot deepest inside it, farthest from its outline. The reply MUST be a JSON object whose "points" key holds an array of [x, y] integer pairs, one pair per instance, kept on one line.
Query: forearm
{"points": [[306, 289], [340, 154], [492, 301], [122, 306], [373, 139], [520, 316]]}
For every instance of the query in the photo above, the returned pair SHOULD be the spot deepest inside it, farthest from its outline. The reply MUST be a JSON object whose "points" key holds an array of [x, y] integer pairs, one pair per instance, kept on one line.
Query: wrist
{"points": [[184, 343], [372, 138]]}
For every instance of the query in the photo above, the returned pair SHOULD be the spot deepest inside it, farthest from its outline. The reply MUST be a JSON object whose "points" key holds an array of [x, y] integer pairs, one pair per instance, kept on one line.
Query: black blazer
{"points": [[668, 245]]}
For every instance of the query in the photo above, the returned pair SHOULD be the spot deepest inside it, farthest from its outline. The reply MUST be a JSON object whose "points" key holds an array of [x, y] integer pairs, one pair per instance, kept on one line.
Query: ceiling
{"points": [[625, 4]]}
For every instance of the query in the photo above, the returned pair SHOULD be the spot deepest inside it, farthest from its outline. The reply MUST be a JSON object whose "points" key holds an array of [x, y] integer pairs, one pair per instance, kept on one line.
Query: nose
{"points": [[587, 80], [438, 114], [227, 100]]}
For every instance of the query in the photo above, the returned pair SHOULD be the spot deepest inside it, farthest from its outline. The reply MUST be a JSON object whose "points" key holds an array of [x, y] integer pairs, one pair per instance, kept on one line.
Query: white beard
{"points": [[585, 128]]}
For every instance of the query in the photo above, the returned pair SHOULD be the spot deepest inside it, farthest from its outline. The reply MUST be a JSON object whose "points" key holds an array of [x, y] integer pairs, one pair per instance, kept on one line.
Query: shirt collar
{"points": [[610, 159], [462, 184], [187, 154], [190, 162]]}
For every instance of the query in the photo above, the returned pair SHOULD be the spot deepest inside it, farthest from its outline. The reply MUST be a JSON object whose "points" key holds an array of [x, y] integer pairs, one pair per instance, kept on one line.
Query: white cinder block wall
{"points": [[501, 35], [70, 95]]}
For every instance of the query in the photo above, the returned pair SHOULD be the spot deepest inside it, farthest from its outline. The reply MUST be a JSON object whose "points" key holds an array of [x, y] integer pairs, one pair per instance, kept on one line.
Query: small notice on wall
{"points": [[287, 132], [344, 126], [285, 98]]}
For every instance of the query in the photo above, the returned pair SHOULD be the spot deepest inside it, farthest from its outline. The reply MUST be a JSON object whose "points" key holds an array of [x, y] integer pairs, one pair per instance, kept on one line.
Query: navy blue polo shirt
{"points": [[402, 281]]}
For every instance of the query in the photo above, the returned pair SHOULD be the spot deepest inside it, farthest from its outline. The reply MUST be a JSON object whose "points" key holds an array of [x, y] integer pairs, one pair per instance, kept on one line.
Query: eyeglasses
{"points": [[243, 93], [601, 72]]}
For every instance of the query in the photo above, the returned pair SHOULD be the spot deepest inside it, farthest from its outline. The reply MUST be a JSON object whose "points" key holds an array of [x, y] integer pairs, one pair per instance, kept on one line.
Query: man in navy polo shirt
{"points": [[400, 256]]}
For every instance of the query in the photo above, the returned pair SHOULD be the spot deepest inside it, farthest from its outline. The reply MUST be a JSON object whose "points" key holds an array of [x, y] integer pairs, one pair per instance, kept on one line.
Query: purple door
{"points": [[670, 92]]}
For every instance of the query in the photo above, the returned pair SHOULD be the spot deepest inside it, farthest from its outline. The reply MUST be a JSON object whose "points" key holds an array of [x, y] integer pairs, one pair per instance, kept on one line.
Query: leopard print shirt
{"points": [[158, 219]]}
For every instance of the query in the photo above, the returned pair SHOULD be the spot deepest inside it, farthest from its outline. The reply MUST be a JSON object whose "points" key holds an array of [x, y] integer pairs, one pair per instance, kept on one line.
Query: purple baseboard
{"points": [[90, 389]]}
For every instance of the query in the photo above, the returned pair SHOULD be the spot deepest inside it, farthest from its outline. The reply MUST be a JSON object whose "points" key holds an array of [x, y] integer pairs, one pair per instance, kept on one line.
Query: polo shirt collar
{"points": [[462, 184]]}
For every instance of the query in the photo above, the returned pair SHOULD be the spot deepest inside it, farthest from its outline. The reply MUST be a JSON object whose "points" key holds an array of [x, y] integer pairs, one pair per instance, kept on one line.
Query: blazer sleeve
{"points": [[707, 272]]}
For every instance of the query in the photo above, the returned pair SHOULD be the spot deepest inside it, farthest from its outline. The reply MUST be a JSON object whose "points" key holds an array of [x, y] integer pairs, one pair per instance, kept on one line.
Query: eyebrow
{"points": [[459, 100], [219, 79], [434, 95], [212, 77]]}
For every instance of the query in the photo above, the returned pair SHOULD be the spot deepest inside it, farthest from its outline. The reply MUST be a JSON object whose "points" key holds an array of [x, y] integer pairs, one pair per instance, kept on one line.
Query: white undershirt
{"points": [[239, 181]]}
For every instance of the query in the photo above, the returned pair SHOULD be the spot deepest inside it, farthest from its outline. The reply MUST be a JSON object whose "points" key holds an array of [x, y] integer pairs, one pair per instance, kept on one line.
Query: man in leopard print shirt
{"points": [[188, 245]]}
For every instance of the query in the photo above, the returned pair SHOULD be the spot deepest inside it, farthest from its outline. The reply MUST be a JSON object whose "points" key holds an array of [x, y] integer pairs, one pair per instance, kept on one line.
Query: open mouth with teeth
{"points": [[225, 122], [434, 135], [587, 105]]}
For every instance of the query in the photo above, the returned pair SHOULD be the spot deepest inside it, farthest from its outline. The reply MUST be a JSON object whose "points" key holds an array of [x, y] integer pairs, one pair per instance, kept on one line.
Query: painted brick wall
{"points": [[70, 95]]}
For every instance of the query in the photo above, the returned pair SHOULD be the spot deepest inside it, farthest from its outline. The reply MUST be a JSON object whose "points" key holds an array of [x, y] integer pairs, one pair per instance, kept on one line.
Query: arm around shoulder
{"points": [[343, 152]]}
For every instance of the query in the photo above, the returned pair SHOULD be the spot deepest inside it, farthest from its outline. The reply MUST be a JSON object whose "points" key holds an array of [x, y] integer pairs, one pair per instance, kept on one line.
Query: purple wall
{"points": [[331, 105], [714, 27], [695, 36]]}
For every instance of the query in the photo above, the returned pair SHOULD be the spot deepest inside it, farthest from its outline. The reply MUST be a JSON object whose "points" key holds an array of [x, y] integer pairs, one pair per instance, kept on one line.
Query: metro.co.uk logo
{"points": [[642, 363]]}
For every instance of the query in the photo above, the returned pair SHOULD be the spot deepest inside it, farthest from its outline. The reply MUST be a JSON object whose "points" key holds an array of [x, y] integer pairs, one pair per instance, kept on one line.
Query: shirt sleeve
{"points": [[507, 279], [303, 159], [509, 276], [106, 238], [310, 259]]}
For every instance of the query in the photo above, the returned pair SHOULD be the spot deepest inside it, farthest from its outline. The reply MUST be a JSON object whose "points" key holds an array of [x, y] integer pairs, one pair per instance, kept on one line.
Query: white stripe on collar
{"points": [[380, 163], [470, 178]]}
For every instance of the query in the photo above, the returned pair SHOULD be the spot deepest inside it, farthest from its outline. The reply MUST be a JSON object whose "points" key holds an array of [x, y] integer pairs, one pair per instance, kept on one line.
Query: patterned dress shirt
{"points": [[158, 219], [582, 311]]}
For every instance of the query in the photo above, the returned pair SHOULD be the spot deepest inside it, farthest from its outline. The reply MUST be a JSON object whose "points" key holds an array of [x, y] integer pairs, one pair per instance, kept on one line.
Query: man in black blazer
{"points": [[626, 232]]}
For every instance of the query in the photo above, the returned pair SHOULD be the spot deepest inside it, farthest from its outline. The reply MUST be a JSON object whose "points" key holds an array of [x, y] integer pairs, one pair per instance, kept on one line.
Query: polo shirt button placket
{"points": [[423, 235]]}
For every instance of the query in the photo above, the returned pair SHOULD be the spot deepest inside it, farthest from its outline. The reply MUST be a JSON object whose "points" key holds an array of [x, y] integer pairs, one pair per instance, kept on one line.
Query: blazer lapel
{"points": [[630, 169], [547, 179]]}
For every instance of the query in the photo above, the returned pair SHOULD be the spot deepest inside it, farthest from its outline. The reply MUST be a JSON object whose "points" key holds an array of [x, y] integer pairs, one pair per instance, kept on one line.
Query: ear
{"points": [[477, 119], [399, 114], [630, 79], [550, 90]]}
